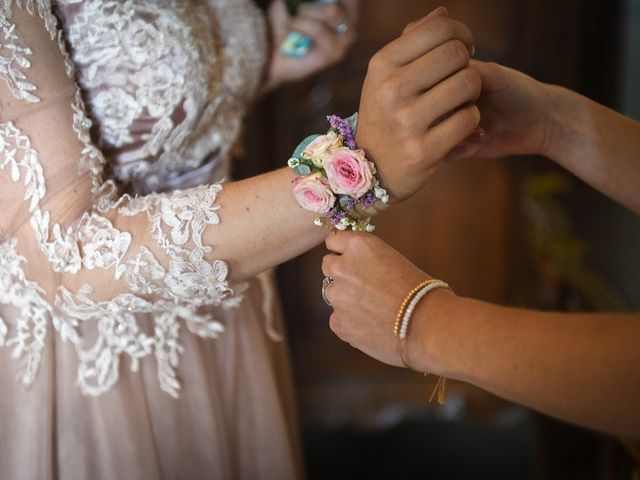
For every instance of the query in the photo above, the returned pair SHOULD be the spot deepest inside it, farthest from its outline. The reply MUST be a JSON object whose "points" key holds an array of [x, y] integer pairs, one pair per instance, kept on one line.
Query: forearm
{"points": [[582, 368], [251, 225], [261, 225], [597, 144]]}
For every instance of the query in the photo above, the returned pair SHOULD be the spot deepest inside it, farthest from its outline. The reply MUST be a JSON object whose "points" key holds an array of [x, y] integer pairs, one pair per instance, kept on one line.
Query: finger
{"points": [[479, 137], [463, 151], [424, 38], [430, 69], [329, 265], [352, 6], [470, 146], [323, 34], [443, 138], [494, 76], [336, 325], [331, 49], [463, 87], [331, 13], [337, 242], [435, 13], [330, 295]]}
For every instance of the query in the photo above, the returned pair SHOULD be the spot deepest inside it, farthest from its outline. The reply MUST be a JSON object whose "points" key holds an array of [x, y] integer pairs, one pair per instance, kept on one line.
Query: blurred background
{"points": [[515, 231]]}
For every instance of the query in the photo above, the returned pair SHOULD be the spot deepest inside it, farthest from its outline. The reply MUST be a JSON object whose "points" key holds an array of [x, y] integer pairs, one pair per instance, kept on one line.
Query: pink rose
{"points": [[313, 193], [321, 147], [349, 172]]}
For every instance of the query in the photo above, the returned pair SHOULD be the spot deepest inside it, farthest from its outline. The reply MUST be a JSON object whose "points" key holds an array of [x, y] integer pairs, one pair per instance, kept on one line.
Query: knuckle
{"points": [[360, 240], [457, 52], [388, 92], [369, 243], [352, 241], [354, 244], [378, 61], [326, 265], [435, 144], [471, 80], [408, 27], [414, 151], [337, 271], [443, 27], [404, 119], [335, 324], [470, 118]]}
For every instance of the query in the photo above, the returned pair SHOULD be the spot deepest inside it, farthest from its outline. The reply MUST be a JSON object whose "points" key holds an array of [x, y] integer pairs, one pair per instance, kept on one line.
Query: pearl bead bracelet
{"points": [[403, 321]]}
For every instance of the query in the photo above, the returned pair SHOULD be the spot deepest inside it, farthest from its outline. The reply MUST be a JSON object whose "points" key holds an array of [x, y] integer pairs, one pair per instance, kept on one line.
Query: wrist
{"points": [[337, 180], [428, 341], [556, 135]]}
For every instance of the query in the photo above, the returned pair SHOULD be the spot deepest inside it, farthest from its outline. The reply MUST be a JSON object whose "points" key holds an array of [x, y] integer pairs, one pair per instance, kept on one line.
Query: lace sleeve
{"points": [[71, 250]]}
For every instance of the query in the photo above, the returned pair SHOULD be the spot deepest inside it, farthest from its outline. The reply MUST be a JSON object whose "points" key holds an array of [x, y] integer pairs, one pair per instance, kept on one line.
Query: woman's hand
{"points": [[417, 101], [318, 21], [370, 282], [515, 114]]}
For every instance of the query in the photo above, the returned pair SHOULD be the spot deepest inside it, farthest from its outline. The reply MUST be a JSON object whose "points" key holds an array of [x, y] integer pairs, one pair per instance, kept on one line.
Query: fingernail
{"points": [[473, 50], [296, 45], [478, 135]]}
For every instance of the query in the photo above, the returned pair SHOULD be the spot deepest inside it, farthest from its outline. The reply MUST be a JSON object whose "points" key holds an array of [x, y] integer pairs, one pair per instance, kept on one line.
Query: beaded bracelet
{"points": [[401, 329], [336, 179]]}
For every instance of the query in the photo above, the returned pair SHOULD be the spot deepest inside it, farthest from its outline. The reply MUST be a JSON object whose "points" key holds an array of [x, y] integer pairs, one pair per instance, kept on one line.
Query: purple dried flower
{"points": [[369, 199], [342, 127]]}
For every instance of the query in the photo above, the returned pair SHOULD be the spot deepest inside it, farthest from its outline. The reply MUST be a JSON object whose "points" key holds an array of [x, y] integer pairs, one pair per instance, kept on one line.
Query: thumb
{"points": [[494, 77]]}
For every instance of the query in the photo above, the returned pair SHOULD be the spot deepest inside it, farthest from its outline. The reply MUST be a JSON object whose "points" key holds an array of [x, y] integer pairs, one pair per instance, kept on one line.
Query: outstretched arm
{"points": [[582, 368], [73, 232]]}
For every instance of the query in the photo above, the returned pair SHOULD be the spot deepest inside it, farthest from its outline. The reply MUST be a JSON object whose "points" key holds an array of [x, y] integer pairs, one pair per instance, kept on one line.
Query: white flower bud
{"points": [[293, 162]]}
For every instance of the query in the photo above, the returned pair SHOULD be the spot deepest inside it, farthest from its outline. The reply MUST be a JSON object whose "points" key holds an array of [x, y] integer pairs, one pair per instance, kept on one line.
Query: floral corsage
{"points": [[336, 179]]}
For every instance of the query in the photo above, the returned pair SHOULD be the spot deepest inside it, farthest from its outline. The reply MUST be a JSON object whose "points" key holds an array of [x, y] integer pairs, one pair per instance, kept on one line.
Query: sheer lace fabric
{"points": [[92, 281]]}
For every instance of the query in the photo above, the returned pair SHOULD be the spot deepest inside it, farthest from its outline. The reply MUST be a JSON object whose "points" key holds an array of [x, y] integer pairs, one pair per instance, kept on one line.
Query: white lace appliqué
{"points": [[139, 64], [171, 292]]}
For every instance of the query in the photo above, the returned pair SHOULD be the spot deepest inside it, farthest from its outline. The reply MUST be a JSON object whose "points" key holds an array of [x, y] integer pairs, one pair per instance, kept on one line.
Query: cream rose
{"points": [[323, 145], [349, 172], [313, 193]]}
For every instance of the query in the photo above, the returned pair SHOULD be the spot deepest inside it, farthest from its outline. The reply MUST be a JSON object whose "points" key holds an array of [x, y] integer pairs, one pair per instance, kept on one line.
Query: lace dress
{"points": [[127, 353]]}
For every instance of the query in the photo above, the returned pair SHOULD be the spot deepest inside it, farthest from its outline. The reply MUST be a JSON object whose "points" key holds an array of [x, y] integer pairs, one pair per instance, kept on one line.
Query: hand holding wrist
{"points": [[417, 102]]}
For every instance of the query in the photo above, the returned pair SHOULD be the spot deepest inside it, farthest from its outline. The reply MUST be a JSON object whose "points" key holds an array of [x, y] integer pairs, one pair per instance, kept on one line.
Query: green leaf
{"points": [[302, 170], [304, 144], [353, 122]]}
